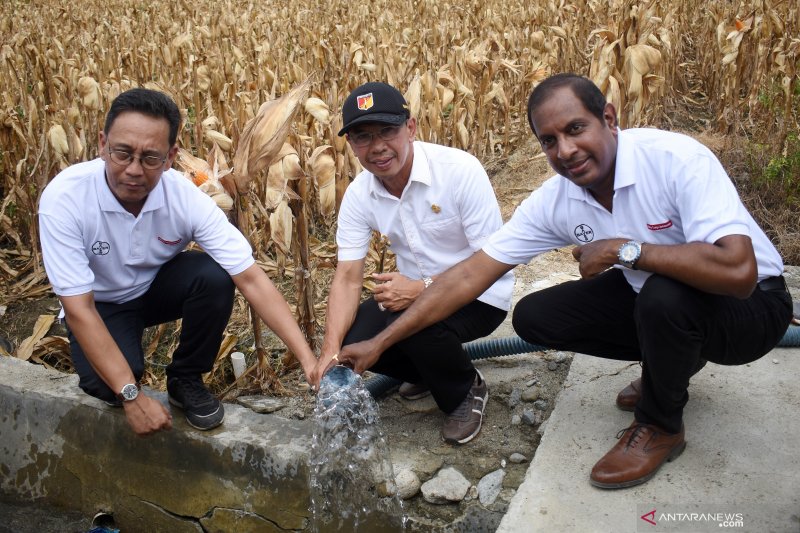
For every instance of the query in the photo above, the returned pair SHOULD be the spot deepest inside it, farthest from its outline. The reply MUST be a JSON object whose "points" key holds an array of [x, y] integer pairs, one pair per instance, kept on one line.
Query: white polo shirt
{"points": [[90, 243], [668, 189], [446, 213]]}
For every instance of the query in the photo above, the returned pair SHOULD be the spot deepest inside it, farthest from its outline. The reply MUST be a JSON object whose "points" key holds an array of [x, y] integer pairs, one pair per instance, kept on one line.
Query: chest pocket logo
{"points": [[101, 248], [584, 233]]}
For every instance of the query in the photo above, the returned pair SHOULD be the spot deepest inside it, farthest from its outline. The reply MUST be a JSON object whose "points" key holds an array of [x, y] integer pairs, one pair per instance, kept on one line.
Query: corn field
{"points": [[261, 83]]}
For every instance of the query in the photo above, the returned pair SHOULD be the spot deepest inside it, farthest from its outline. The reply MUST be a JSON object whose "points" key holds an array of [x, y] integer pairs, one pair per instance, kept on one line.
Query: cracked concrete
{"points": [[69, 450]]}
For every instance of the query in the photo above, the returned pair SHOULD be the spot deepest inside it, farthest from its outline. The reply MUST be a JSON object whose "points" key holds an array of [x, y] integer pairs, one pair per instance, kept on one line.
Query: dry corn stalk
{"points": [[264, 136], [641, 70]]}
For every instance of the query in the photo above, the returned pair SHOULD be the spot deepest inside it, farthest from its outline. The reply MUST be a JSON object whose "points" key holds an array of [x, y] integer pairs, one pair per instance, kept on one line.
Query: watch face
{"points": [[130, 392], [628, 253]]}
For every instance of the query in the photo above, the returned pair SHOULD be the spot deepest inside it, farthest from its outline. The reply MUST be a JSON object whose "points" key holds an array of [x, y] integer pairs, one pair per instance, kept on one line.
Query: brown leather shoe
{"points": [[629, 396], [637, 456]]}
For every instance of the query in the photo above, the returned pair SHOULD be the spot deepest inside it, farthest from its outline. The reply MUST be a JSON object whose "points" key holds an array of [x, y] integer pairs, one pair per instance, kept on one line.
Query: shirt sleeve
{"points": [[707, 200], [532, 230], [353, 231], [219, 238], [480, 212], [63, 254]]}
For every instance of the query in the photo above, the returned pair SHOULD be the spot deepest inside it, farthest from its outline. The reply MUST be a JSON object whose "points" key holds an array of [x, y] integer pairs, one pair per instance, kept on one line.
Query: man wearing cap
{"points": [[674, 269], [437, 207]]}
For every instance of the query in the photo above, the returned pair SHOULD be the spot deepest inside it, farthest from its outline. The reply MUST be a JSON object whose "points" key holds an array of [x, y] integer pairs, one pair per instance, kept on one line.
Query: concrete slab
{"points": [[742, 430]]}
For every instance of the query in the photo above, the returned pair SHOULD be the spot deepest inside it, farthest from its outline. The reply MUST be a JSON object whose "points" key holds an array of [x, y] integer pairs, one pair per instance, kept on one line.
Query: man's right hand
{"points": [[147, 415]]}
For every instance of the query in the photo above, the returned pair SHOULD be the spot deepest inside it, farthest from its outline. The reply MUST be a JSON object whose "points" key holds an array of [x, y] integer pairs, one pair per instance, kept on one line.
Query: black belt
{"points": [[776, 283]]}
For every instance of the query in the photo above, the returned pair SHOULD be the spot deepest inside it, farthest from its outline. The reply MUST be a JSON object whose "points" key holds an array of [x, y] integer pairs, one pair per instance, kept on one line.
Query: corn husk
{"points": [[264, 135], [323, 168]]}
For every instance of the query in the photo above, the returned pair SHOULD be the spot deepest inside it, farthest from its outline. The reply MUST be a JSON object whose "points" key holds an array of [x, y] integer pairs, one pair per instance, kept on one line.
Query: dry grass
{"points": [[466, 67]]}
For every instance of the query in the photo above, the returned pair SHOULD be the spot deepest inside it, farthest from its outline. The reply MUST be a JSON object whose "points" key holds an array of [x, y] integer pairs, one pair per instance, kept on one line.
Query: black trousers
{"points": [[433, 356], [191, 286], [669, 326]]}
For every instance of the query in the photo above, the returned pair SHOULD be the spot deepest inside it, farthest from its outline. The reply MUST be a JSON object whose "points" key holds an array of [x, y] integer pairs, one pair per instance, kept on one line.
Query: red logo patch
{"points": [[364, 101], [662, 225], [171, 243]]}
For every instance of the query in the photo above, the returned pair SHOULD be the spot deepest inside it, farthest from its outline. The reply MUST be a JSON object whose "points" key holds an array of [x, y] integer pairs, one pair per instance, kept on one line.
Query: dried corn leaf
{"points": [[40, 329], [264, 135]]}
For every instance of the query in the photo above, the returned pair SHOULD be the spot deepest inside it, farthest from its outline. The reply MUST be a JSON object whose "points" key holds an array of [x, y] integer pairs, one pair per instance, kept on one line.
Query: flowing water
{"points": [[352, 482]]}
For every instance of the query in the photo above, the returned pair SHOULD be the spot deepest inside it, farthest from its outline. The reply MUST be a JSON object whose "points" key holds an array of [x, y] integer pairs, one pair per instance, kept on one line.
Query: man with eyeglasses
{"points": [[436, 206], [674, 269], [113, 233]]}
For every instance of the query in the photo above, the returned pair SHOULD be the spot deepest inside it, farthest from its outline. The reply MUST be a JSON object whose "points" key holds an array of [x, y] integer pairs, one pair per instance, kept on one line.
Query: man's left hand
{"points": [[596, 257], [396, 292]]}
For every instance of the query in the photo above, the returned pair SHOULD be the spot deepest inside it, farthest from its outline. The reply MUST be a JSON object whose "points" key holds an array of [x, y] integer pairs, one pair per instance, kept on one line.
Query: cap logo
{"points": [[364, 101]]}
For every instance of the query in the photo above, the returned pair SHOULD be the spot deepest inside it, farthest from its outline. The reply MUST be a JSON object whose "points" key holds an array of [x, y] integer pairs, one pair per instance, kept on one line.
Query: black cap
{"points": [[374, 102]]}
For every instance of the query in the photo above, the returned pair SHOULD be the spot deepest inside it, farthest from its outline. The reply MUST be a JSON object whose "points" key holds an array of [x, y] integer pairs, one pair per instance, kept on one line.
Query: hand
{"points": [[360, 356], [146, 415], [324, 363], [396, 292], [596, 257]]}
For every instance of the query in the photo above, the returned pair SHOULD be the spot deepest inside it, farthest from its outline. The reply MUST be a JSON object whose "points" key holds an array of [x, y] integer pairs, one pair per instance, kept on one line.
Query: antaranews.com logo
{"points": [[678, 518]]}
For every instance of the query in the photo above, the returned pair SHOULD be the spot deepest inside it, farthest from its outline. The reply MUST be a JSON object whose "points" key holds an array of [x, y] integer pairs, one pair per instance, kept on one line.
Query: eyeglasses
{"points": [[124, 158], [364, 138]]}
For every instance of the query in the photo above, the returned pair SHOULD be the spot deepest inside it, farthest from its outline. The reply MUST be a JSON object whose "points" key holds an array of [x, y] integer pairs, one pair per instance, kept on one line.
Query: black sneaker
{"points": [[203, 411]]}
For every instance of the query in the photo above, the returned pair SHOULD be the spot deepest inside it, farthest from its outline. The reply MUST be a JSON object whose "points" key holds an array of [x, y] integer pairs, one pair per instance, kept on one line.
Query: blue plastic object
{"points": [[378, 385]]}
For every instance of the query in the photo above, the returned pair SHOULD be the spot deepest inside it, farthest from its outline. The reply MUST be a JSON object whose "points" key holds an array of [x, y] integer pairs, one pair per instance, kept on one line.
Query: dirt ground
{"points": [[412, 428]]}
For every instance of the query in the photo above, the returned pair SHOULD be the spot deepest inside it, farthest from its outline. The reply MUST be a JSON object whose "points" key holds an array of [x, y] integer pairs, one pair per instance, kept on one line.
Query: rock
{"points": [[514, 397], [408, 484], [517, 458], [507, 494], [552, 366], [516, 420], [530, 417], [489, 486], [540, 405], [386, 488], [261, 404], [531, 394], [449, 485], [532, 382], [561, 357]]}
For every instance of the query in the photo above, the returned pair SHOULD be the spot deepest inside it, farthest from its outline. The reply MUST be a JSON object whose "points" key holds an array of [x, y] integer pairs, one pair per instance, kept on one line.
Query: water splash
{"points": [[352, 482]]}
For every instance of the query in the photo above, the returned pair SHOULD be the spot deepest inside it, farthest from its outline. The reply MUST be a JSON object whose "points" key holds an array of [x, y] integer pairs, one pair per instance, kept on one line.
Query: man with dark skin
{"points": [[674, 270]]}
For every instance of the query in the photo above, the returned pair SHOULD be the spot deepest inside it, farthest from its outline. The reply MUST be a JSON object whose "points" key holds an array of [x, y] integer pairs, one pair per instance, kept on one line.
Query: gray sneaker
{"points": [[203, 411], [463, 424], [413, 391]]}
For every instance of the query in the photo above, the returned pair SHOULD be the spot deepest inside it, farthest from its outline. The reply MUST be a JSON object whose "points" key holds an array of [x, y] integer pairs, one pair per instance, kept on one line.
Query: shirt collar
{"points": [[108, 202], [624, 174], [420, 172]]}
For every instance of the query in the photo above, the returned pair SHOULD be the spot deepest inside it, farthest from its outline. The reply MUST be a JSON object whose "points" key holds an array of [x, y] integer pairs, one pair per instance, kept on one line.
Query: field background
{"points": [[725, 71]]}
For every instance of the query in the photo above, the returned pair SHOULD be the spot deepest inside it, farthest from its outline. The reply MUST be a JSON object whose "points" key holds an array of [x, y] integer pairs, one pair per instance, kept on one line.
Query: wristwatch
{"points": [[128, 393], [629, 253], [427, 280]]}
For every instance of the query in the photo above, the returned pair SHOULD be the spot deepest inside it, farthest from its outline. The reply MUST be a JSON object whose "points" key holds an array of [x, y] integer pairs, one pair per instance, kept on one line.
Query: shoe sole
{"points": [[633, 482], [179, 405]]}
